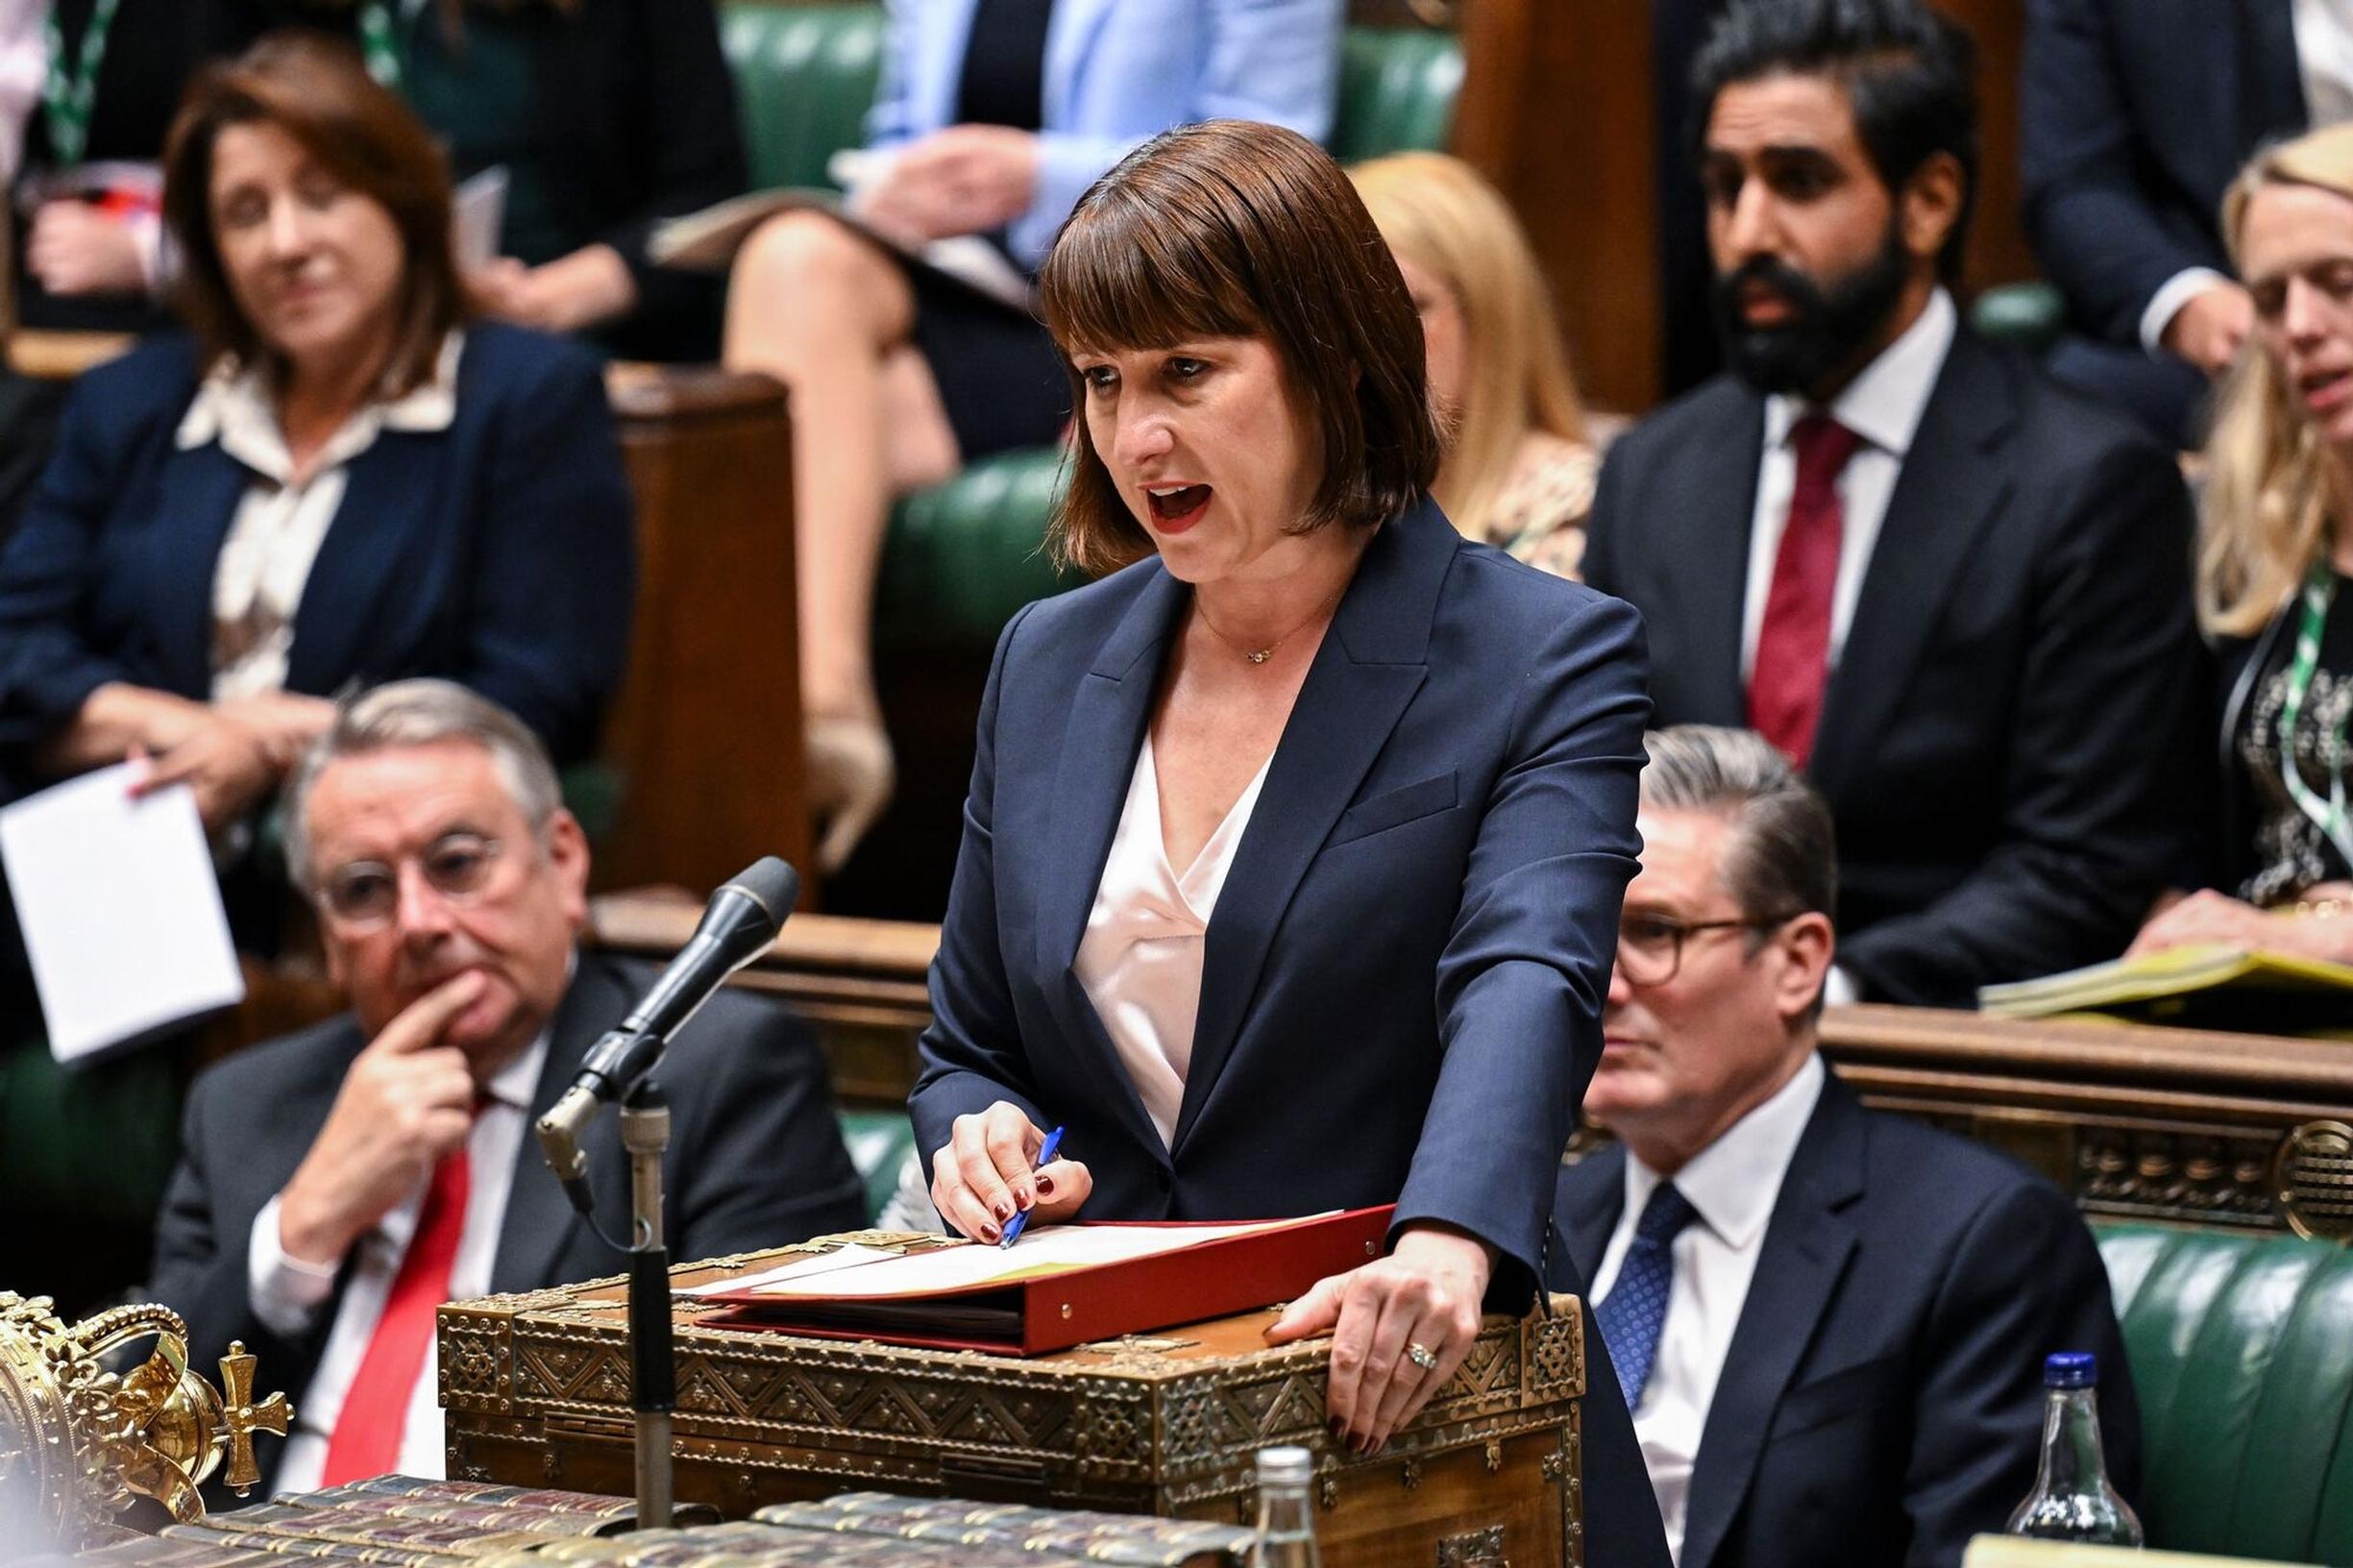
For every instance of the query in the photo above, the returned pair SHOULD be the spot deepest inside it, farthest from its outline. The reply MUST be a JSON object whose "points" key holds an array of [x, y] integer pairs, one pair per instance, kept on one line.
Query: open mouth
{"points": [[1178, 506]]}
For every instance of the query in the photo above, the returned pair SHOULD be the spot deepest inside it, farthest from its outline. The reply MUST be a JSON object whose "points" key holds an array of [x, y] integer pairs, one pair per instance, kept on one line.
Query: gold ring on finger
{"points": [[1421, 1354]]}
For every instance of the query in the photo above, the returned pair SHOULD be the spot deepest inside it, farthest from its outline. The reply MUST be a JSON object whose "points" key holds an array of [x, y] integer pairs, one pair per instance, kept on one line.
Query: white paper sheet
{"points": [[799, 1268], [478, 213], [1051, 1249], [120, 908]]}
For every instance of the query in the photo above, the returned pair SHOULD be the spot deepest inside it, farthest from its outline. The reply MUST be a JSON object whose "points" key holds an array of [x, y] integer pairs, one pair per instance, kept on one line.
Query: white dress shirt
{"points": [[1141, 958], [274, 536], [1882, 405], [1732, 1184], [288, 1294], [2324, 65]]}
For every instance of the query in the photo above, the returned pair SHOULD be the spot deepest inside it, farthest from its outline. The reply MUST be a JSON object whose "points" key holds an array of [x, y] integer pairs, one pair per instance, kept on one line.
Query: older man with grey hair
{"points": [[1828, 1322], [336, 1186]]}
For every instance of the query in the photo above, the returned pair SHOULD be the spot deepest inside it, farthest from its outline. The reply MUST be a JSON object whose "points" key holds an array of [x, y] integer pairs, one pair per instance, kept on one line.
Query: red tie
{"points": [[367, 1437], [1793, 642]]}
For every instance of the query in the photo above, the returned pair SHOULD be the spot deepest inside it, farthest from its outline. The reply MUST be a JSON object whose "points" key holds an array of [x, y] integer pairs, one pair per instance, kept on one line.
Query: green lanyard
{"points": [[378, 45], [67, 100], [2329, 816], [379, 41]]}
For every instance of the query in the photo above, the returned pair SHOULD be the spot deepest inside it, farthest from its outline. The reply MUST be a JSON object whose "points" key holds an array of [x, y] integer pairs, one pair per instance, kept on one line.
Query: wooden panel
{"points": [[2195, 1126], [706, 731], [1556, 111]]}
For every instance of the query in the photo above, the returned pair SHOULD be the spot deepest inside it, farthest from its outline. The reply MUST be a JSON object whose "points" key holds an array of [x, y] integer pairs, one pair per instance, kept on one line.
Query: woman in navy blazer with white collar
{"points": [[339, 480], [1431, 750]]}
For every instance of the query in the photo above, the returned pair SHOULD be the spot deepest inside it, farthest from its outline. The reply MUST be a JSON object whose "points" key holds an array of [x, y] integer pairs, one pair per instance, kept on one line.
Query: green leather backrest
{"points": [[805, 76], [878, 1143], [2241, 1351]]}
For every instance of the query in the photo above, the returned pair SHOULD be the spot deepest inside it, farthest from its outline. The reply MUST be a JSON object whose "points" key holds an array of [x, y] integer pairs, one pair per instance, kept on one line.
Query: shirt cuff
{"points": [[1839, 989], [2171, 295], [286, 1293]]}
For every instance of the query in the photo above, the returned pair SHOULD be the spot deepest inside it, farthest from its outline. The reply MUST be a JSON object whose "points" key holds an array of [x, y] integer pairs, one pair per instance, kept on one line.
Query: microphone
{"points": [[741, 919]]}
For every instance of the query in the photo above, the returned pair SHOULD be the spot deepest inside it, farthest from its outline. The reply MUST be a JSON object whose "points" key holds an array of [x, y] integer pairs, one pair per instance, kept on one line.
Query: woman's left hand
{"points": [[962, 179], [1425, 1295]]}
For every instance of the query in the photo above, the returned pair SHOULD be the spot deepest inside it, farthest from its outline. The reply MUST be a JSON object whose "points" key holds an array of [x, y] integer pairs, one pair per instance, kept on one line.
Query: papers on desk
{"points": [[1059, 1286], [120, 908]]}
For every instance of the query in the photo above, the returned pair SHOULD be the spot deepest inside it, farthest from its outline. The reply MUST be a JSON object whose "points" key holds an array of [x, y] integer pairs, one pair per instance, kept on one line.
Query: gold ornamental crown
{"points": [[78, 1442]]}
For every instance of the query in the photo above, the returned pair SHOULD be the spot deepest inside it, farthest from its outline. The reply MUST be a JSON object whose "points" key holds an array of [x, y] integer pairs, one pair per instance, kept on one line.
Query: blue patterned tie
{"points": [[1635, 1308]]}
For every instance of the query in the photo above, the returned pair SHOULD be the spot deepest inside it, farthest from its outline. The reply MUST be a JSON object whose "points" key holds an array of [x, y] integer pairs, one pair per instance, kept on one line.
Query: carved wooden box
{"points": [[536, 1388]]}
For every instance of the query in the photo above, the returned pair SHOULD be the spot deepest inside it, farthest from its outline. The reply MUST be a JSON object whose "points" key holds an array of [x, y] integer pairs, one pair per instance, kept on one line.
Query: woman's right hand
{"points": [[985, 1175], [223, 761]]}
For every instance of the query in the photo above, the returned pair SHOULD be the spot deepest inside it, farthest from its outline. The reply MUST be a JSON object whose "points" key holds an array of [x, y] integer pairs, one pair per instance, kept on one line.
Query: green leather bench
{"points": [[2242, 1352], [962, 558]]}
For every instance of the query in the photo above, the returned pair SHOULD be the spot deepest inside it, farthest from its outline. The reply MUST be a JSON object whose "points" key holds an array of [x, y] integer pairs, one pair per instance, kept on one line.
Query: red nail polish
{"points": [[1045, 1185]]}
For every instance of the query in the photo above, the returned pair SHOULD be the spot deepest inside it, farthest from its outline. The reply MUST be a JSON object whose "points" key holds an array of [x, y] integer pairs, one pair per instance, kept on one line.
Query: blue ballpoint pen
{"points": [[1019, 1222]]}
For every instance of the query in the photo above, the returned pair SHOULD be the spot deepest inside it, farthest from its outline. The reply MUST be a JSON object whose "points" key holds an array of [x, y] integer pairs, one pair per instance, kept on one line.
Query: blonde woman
{"points": [[1519, 469], [2275, 570]]}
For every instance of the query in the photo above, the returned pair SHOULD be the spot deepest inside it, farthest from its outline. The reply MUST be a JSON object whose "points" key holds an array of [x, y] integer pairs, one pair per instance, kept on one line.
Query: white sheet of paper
{"points": [[1049, 1250], [477, 212], [120, 908], [799, 1268]]}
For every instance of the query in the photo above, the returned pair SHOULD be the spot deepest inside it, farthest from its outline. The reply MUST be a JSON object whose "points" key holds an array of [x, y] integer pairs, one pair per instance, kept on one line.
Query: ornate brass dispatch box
{"points": [[537, 1392]]}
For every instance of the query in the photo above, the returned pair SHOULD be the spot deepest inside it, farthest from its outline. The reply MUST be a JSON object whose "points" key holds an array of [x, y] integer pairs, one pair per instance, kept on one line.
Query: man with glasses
{"points": [[1830, 1322], [336, 1186]]}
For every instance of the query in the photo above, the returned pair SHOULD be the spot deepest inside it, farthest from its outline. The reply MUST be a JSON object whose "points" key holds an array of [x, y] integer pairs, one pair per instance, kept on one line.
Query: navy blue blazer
{"points": [[1403, 979], [1881, 1400], [498, 553], [2134, 117]]}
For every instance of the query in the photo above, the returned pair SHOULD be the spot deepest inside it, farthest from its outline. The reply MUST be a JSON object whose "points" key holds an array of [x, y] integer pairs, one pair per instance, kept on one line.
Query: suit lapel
{"points": [[1806, 1247], [539, 1218], [387, 507], [1705, 566], [186, 558], [1099, 745], [1371, 663], [1950, 487]]}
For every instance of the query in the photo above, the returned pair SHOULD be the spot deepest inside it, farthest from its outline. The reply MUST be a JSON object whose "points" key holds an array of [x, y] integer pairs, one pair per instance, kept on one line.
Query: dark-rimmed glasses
{"points": [[364, 894], [1651, 946]]}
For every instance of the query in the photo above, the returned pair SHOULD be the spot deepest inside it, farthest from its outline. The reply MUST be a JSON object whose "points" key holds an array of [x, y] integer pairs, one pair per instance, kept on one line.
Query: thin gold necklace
{"points": [[1260, 655]]}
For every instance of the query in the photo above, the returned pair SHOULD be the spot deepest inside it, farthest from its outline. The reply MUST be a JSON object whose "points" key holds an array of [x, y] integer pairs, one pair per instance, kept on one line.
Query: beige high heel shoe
{"points": [[851, 776]]}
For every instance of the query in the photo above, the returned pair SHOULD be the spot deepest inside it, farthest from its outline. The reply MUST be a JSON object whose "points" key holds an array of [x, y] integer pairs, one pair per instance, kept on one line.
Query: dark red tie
{"points": [[1793, 642], [367, 1437]]}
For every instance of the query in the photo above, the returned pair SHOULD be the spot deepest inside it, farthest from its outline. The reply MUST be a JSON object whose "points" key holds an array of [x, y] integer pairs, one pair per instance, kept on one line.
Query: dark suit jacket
{"points": [[1402, 987], [1999, 740], [498, 553], [755, 1159], [2133, 118], [1881, 1400]]}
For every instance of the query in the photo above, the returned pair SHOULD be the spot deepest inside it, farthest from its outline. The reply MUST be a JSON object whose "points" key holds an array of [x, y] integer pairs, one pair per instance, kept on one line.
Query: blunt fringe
{"points": [[1908, 70], [1230, 229], [315, 90]]}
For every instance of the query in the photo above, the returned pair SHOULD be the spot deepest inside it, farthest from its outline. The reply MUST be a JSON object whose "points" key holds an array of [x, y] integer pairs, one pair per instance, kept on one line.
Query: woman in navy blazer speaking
{"points": [[340, 480], [1293, 855]]}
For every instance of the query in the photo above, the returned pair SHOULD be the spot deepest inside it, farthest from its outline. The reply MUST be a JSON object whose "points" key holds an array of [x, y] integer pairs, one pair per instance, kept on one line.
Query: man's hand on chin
{"points": [[408, 1100]]}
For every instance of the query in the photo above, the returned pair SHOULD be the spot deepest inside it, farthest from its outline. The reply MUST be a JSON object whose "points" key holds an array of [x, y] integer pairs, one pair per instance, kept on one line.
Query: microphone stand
{"points": [[653, 1372]]}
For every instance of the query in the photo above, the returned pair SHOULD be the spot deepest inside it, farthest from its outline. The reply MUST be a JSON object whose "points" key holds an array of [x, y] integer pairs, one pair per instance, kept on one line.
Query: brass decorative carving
{"points": [[1410, 1474], [2313, 1177], [1473, 1548], [79, 1443]]}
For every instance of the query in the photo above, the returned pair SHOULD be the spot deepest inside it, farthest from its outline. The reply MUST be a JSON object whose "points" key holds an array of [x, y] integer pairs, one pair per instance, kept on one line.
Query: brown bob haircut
{"points": [[1233, 229], [315, 90]]}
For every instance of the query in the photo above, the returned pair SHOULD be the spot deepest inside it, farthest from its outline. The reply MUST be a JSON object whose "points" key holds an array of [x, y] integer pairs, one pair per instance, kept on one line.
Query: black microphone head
{"points": [[747, 911], [774, 885]]}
